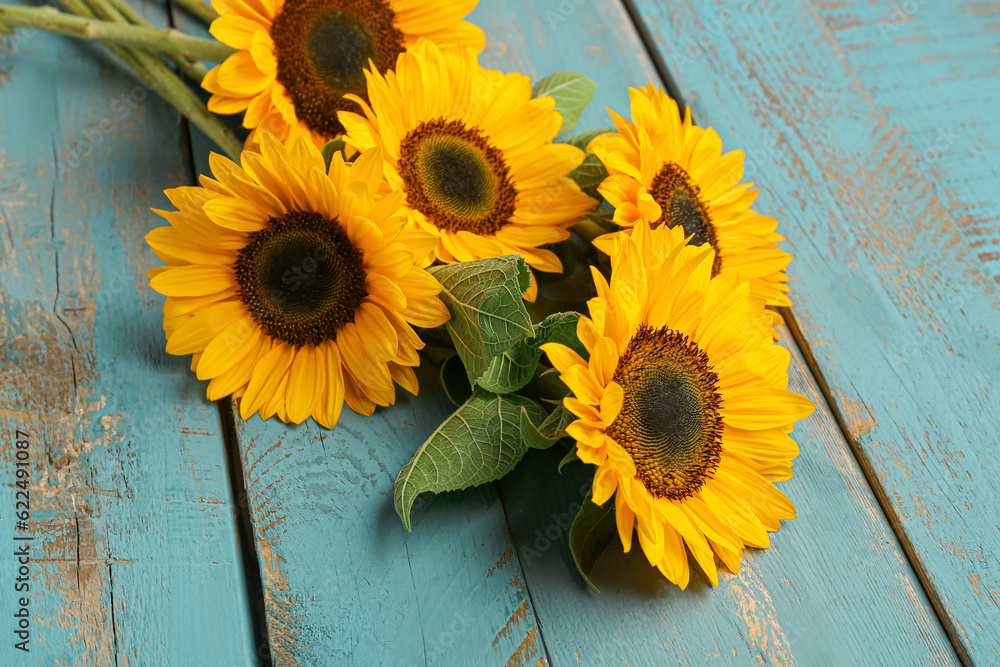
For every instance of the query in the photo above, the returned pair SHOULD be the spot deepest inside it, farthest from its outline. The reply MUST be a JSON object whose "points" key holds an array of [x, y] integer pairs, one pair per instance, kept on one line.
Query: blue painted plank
{"points": [[834, 589], [931, 68], [134, 557], [342, 578], [897, 306]]}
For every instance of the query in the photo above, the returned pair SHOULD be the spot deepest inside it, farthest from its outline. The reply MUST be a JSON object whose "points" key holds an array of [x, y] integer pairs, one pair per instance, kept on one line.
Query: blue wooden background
{"points": [[168, 531]]}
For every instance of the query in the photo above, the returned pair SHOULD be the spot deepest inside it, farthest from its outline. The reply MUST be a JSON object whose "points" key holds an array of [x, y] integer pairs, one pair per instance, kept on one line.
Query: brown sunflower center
{"points": [[669, 423], [678, 198], [301, 278], [322, 48], [456, 178]]}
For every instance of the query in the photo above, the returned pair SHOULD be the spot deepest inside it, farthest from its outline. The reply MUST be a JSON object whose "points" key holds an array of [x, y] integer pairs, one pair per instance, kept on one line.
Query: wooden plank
{"points": [[931, 68], [834, 589], [134, 557], [342, 578], [896, 306]]}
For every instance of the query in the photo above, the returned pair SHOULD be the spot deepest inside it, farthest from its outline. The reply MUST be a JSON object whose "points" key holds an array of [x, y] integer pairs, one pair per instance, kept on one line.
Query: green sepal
{"points": [[549, 432], [569, 458], [592, 532], [331, 147]]}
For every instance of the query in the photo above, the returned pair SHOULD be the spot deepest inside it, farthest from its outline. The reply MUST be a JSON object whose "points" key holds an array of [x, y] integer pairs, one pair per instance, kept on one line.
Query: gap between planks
{"points": [[871, 476], [245, 535]]}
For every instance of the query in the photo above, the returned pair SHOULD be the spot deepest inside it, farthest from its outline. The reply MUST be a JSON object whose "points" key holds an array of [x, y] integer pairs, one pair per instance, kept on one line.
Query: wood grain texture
{"points": [[897, 306], [835, 588], [343, 581], [932, 69], [134, 559]]}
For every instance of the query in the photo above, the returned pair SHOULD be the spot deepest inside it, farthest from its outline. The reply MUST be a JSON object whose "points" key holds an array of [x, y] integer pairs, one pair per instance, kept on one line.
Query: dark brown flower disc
{"points": [[323, 46], [669, 422], [678, 198], [301, 278], [456, 178]]}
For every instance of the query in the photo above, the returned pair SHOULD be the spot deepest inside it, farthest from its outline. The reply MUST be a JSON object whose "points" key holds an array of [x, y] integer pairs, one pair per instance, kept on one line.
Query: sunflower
{"points": [[297, 58], [665, 170], [294, 287], [682, 405], [474, 155]]}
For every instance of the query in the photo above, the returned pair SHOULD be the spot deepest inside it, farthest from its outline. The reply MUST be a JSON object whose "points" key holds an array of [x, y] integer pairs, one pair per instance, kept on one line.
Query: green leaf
{"points": [[569, 458], [481, 442], [514, 368], [589, 175], [549, 432], [331, 147], [454, 380], [488, 315], [583, 139], [572, 92], [592, 532]]}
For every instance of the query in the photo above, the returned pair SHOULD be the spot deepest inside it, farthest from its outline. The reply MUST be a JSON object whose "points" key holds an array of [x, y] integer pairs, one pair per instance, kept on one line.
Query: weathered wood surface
{"points": [[343, 581], [895, 296], [135, 514], [932, 69], [134, 559], [835, 588]]}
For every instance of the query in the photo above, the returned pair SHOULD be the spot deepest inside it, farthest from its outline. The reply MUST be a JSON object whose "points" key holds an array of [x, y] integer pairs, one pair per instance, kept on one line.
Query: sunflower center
{"points": [[322, 48], [669, 423], [678, 198], [301, 278], [339, 47], [457, 179]]}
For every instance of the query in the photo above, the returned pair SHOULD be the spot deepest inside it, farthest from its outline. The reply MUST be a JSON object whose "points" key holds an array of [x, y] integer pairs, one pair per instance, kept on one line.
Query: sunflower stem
{"points": [[200, 9], [168, 41], [158, 76], [192, 69]]}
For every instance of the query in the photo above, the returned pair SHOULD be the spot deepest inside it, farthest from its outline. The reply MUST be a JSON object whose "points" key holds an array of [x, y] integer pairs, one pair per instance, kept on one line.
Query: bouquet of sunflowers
{"points": [[612, 292]]}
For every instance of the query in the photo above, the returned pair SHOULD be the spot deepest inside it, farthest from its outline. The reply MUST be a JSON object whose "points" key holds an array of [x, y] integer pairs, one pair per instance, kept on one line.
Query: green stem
{"points": [[169, 41], [202, 10], [159, 77], [192, 69]]}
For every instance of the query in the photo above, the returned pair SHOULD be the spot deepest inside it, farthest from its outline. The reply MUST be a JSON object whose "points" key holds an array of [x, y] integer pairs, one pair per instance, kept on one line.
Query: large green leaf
{"points": [[572, 92], [481, 442], [488, 315], [589, 175], [513, 368], [592, 532]]}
